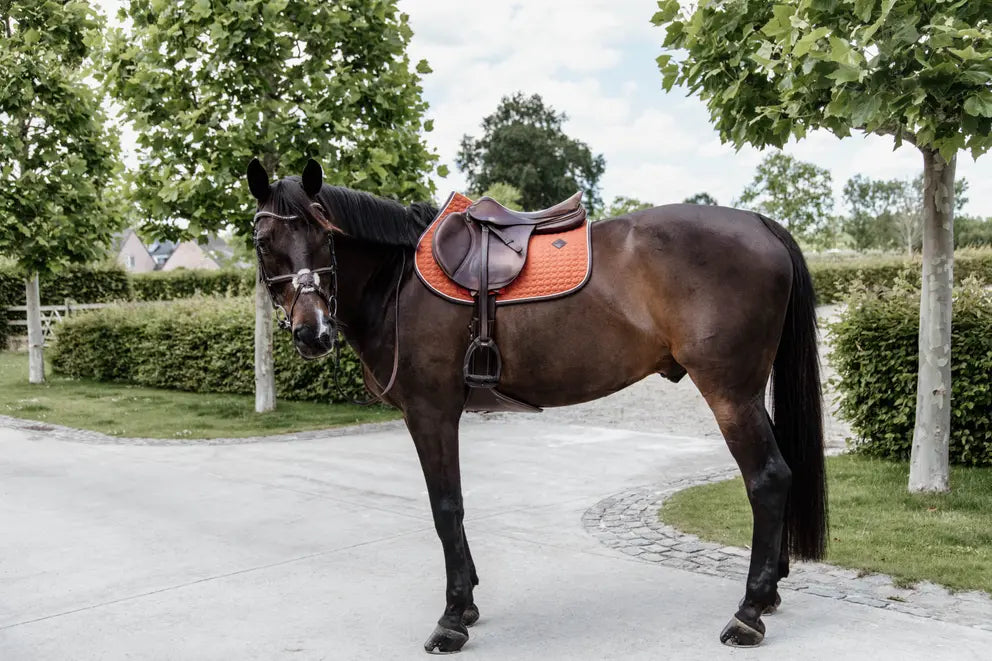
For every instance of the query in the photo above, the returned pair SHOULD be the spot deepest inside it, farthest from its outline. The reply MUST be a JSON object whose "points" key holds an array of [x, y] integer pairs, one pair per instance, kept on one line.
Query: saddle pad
{"points": [[557, 264]]}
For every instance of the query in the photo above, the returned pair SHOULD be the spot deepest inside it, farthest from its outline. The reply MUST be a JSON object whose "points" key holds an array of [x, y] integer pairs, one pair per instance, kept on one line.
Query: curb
{"points": [[628, 522]]}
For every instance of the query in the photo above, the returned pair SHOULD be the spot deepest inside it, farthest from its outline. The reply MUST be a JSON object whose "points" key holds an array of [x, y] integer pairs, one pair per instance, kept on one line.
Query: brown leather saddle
{"points": [[483, 249]]}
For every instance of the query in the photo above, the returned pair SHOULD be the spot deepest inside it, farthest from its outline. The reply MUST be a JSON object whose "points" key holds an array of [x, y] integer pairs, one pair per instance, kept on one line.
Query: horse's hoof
{"points": [[445, 640], [739, 634], [471, 615], [769, 610]]}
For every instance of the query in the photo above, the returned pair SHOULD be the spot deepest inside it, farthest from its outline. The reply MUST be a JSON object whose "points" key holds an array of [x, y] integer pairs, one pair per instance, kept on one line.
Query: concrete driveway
{"points": [[324, 549]]}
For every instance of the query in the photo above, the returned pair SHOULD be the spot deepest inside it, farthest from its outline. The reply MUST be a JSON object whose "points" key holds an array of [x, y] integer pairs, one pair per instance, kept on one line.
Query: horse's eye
{"points": [[262, 246]]}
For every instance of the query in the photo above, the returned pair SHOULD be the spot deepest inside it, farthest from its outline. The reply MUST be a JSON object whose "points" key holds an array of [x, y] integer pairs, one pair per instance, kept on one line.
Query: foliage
{"points": [[972, 232], [523, 144], [833, 279], [198, 345], [209, 85], [505, 194], [701, 198], [797, 194], [124, 410], [770, 71], [875, 354], [875, 526], [57, 156], [872, 204], [621, 206], [183, 283]]}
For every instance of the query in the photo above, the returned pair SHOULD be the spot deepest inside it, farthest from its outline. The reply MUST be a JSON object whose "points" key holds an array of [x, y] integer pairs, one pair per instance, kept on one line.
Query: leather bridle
{"points": [[305, 281]]}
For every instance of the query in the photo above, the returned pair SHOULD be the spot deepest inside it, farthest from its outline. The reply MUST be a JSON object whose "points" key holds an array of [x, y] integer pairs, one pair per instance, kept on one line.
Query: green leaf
{"points": [[979, 105], [806, 43], [667, 10], [31, 36], [424, 68]]}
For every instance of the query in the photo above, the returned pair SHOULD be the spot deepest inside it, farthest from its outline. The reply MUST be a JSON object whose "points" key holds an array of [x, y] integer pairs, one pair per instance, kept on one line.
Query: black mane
{"points": [[362, 216], [375, 219]]}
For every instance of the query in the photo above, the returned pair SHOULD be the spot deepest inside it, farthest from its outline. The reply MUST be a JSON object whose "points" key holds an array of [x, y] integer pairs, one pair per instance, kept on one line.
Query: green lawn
{"points": [[123, 410], [875, 525]]}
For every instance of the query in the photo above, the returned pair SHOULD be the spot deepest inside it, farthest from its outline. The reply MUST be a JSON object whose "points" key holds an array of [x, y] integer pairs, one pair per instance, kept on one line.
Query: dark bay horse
{"points": [[719, 294]]}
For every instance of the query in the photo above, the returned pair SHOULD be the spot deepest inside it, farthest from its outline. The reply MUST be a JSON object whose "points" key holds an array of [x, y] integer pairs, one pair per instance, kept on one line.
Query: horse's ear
{"points": [[313, 178], [258, 180]]}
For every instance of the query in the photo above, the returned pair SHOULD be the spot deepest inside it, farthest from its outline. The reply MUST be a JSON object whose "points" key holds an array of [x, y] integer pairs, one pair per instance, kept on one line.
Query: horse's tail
{"points": [[797, 410]]}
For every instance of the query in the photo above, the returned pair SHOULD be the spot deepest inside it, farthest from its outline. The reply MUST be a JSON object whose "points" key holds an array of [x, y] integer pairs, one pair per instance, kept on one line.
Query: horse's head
{"points": [[294, 243]]}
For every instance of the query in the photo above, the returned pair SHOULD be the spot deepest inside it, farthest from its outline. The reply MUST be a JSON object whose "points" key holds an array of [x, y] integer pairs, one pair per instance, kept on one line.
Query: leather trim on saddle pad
{"points": [[550, 271]]}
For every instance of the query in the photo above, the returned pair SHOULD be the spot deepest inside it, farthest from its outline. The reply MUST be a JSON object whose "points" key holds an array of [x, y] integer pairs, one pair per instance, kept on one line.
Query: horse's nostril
{"points": [[302, 334], [325, 339]]}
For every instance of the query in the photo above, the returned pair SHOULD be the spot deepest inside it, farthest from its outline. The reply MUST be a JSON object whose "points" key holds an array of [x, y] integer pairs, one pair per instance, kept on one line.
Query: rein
{"points": [[307, 281]]}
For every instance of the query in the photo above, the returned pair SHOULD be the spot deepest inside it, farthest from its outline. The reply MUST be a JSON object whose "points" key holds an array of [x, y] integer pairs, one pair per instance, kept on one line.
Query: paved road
{"points": [[323, 549]]}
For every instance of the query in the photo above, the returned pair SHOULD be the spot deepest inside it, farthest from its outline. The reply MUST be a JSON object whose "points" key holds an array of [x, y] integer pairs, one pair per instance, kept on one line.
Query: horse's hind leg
{"points": [[436, 439], [767, 478]]}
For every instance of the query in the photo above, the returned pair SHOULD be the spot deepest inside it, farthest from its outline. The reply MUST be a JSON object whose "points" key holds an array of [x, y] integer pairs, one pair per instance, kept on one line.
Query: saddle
{"points": [[484, 249]]}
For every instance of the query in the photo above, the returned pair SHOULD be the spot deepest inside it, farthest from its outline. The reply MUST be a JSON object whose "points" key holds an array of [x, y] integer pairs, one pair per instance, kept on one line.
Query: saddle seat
{"points": [[484, 248]]}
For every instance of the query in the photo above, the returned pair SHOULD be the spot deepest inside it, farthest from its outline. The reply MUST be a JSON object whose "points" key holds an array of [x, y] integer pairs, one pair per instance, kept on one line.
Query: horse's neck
{"points": [[367, 278]]}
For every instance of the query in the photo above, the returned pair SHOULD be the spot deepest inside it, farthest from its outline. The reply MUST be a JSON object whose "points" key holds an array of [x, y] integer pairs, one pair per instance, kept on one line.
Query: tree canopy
{"points": [[797, 194], [701, 198], [57, 155], [919, 71], [524, 145], [208, 86], [622, 205]]}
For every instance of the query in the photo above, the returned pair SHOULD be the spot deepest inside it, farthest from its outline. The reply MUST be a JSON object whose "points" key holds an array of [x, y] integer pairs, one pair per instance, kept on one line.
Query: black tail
{"points": [[797, 410]]}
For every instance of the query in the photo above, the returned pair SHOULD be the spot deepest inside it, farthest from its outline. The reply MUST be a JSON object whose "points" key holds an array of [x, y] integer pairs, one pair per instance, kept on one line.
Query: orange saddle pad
{"points": [[557, 264]]}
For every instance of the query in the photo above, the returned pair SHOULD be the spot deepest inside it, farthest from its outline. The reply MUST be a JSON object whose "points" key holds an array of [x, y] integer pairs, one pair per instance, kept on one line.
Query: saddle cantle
{"points": [[485, 255]]}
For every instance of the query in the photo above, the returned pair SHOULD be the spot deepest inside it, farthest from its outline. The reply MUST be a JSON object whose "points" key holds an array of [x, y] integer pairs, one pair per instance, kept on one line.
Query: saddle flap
{"points": [[457, 247]]}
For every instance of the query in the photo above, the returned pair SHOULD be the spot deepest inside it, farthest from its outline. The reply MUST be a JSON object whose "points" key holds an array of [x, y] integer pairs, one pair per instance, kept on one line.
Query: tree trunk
{"points": [[36, 337], [928, 467], [265, 379]]}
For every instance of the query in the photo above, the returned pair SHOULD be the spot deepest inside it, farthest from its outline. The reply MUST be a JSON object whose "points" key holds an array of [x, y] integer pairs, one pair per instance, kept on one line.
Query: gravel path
{"points": [[657, 405]]}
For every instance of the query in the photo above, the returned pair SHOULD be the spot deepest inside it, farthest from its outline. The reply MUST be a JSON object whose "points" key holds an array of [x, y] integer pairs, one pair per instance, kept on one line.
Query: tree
{"points": [[917, 71], [208, 86], [621, 206], [505, 194], [701, 198], [972, 232], [57, 157], [908, 217], [797, 194], [873, 207], [523, 145]]}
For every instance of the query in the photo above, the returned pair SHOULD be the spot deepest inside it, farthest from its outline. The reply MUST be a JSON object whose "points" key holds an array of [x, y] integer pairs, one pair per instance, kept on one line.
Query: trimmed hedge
{"points": [[198, 345], [875, 350], [833, 279], [170, 285]]}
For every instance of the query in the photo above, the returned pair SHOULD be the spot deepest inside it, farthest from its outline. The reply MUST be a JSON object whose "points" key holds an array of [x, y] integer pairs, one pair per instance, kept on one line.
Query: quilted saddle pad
{"points": [[557, 264]]}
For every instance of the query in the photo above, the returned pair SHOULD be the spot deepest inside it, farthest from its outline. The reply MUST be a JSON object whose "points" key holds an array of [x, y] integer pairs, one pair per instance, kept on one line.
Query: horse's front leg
{"points": [[437, 445]]}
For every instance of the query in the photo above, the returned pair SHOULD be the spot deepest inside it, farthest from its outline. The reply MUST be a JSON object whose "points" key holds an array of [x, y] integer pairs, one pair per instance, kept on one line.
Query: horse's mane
{"points": [[375, 219], [359, 215]]}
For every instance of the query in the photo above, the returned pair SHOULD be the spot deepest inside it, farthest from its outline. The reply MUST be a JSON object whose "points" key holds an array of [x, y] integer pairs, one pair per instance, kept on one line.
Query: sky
{"points": [[595, 61]]}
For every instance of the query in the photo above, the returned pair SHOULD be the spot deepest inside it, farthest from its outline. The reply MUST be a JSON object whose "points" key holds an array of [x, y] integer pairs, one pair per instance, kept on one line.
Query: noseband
{"points": [[305, 281]]}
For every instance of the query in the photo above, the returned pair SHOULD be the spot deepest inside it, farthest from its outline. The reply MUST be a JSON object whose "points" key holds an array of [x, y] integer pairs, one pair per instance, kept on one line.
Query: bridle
{"points": [[307, 281]]}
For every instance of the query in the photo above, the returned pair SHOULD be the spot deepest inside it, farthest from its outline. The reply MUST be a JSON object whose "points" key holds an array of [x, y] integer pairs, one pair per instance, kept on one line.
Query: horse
{"points": [[720, 294]]}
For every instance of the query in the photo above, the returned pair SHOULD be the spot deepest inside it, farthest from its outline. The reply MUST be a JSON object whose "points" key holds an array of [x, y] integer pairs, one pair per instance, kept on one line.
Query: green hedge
{"points": [[833, 278], [198, 345], [875, 354], [170, 285]]}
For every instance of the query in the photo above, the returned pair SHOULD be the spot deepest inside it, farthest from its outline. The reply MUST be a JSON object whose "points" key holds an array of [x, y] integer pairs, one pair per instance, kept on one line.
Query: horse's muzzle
{"points": [[313, 342]]}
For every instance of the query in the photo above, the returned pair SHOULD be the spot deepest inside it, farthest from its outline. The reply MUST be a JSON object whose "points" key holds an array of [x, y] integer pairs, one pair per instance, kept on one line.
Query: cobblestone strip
{"points": [[628, 522], [69, 434]]}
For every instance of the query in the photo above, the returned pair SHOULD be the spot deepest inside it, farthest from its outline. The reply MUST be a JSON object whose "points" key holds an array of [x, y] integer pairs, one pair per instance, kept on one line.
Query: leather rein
{"points": [[307, 281]]}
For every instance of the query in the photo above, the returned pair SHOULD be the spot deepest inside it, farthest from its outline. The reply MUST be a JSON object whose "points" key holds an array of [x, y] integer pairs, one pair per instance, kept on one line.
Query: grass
{"points": [[122, 410], [875, 524]]}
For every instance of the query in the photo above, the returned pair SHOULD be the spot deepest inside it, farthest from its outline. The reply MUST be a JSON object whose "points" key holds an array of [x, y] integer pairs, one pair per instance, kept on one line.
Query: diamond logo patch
{"points": [[560, 243]]}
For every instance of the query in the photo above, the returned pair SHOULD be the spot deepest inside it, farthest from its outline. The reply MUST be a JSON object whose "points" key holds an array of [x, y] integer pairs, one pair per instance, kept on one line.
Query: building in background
{"points": [[134, 256]]}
